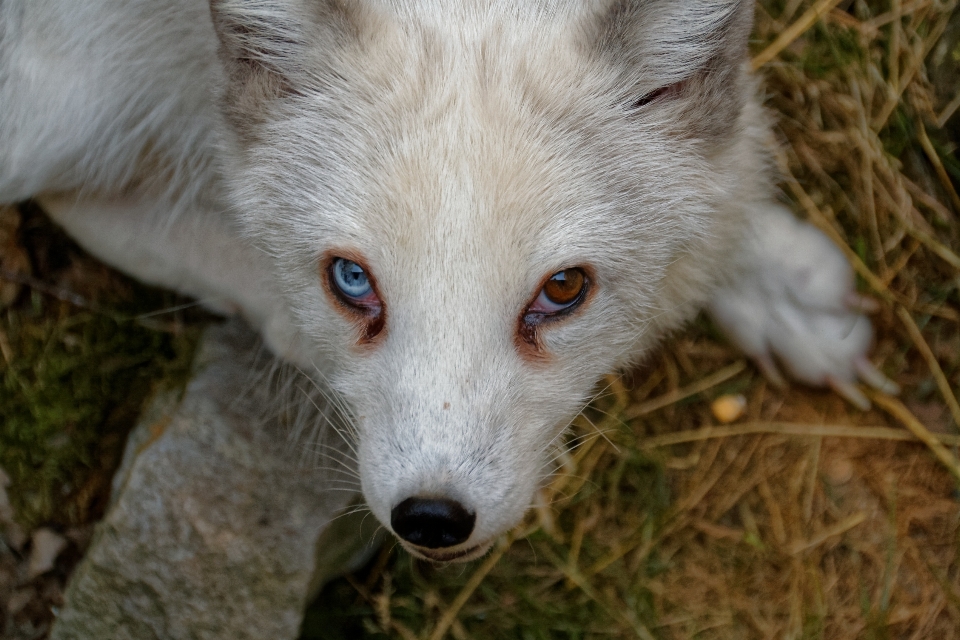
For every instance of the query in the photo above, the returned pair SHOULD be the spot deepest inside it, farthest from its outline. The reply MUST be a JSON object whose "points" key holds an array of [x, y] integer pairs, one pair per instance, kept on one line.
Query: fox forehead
{"points": [[499, 142]]}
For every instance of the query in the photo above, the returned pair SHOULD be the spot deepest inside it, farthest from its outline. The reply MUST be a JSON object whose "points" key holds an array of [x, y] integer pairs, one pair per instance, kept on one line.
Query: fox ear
{"points": [[670, 40], [267, 45], [257, 37], [674, 48]]}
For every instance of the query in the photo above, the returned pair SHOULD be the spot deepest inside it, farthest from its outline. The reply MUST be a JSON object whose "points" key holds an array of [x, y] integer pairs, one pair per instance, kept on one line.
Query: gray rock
{"points": [[217, 527]]}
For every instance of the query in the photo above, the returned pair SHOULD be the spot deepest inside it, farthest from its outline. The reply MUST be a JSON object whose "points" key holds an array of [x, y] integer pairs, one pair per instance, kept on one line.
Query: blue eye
{"points": [[351, 279]]}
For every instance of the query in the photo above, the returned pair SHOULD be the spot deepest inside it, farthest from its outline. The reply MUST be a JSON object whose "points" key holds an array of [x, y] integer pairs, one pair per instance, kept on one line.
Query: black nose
{"points": [[432, 523]]}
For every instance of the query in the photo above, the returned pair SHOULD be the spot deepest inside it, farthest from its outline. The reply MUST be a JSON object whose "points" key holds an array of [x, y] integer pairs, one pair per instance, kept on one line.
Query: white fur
{"points": [[467, 150]]}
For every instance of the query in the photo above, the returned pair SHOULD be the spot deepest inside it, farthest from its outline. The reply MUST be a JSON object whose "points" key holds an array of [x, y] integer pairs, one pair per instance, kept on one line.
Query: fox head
{"points": [[475, 210]]}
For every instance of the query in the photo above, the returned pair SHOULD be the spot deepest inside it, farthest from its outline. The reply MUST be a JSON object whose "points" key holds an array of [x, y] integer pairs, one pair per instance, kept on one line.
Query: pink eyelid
{"points": [[543, 304], [369, 301]]}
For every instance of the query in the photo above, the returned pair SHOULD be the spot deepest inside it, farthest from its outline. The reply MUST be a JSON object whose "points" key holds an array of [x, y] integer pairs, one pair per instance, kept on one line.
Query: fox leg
{"points": [[793, 300], [195, 252]]}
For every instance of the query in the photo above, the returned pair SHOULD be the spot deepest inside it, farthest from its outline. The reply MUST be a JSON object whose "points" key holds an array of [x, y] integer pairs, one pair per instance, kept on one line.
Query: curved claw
{"points": [[769, 370], [873, 377], [861, 303], [849, 392]]}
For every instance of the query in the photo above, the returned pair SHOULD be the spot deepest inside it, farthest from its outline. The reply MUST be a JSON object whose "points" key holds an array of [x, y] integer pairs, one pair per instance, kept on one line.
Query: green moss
{"points": [[72, 388]]}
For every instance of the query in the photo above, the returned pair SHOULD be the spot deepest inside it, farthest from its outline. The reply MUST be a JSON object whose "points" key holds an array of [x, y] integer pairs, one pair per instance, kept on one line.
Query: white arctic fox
{"points": [[460, 213]]}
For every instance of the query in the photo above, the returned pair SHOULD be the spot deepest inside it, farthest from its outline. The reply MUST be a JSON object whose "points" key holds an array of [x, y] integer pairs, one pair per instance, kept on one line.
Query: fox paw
{"points": [[795, 304]]}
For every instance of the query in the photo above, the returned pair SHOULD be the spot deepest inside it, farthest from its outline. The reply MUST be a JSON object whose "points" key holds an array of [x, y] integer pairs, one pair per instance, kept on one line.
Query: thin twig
{"points": [[874, 24], [60, 293], [624, 614], [787, 429], [66, 295], [838, 529], [937, 164], [921, 343], [794, 31], [868, 205], [677, 395], [948, 111], [906, 78], [5, 347], [893, 62], [940, 311], [902, 261], [935, 246], [450, 615], [896, 408], [928, 201], [821, 222]]}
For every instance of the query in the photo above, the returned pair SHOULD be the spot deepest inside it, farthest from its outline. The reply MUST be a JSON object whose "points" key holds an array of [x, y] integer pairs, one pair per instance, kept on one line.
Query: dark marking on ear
{"points": [[691, 52], [655, 95], [276, 49], [671, 38], [257, 40]]}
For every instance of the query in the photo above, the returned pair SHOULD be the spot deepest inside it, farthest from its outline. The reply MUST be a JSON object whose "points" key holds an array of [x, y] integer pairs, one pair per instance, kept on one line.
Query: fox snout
{"points": [[452, 445], [447, 488], [441, 529], [433, 523], [436, 529]]}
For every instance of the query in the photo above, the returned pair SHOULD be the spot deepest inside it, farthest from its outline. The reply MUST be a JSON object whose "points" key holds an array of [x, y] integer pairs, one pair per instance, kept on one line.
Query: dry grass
{"points": [[808, 518], [805, 518]]}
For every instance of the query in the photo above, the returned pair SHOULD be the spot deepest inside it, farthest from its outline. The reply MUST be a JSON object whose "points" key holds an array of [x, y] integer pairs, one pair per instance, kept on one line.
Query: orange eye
{"points": [[561, 293], [564, 287]]}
